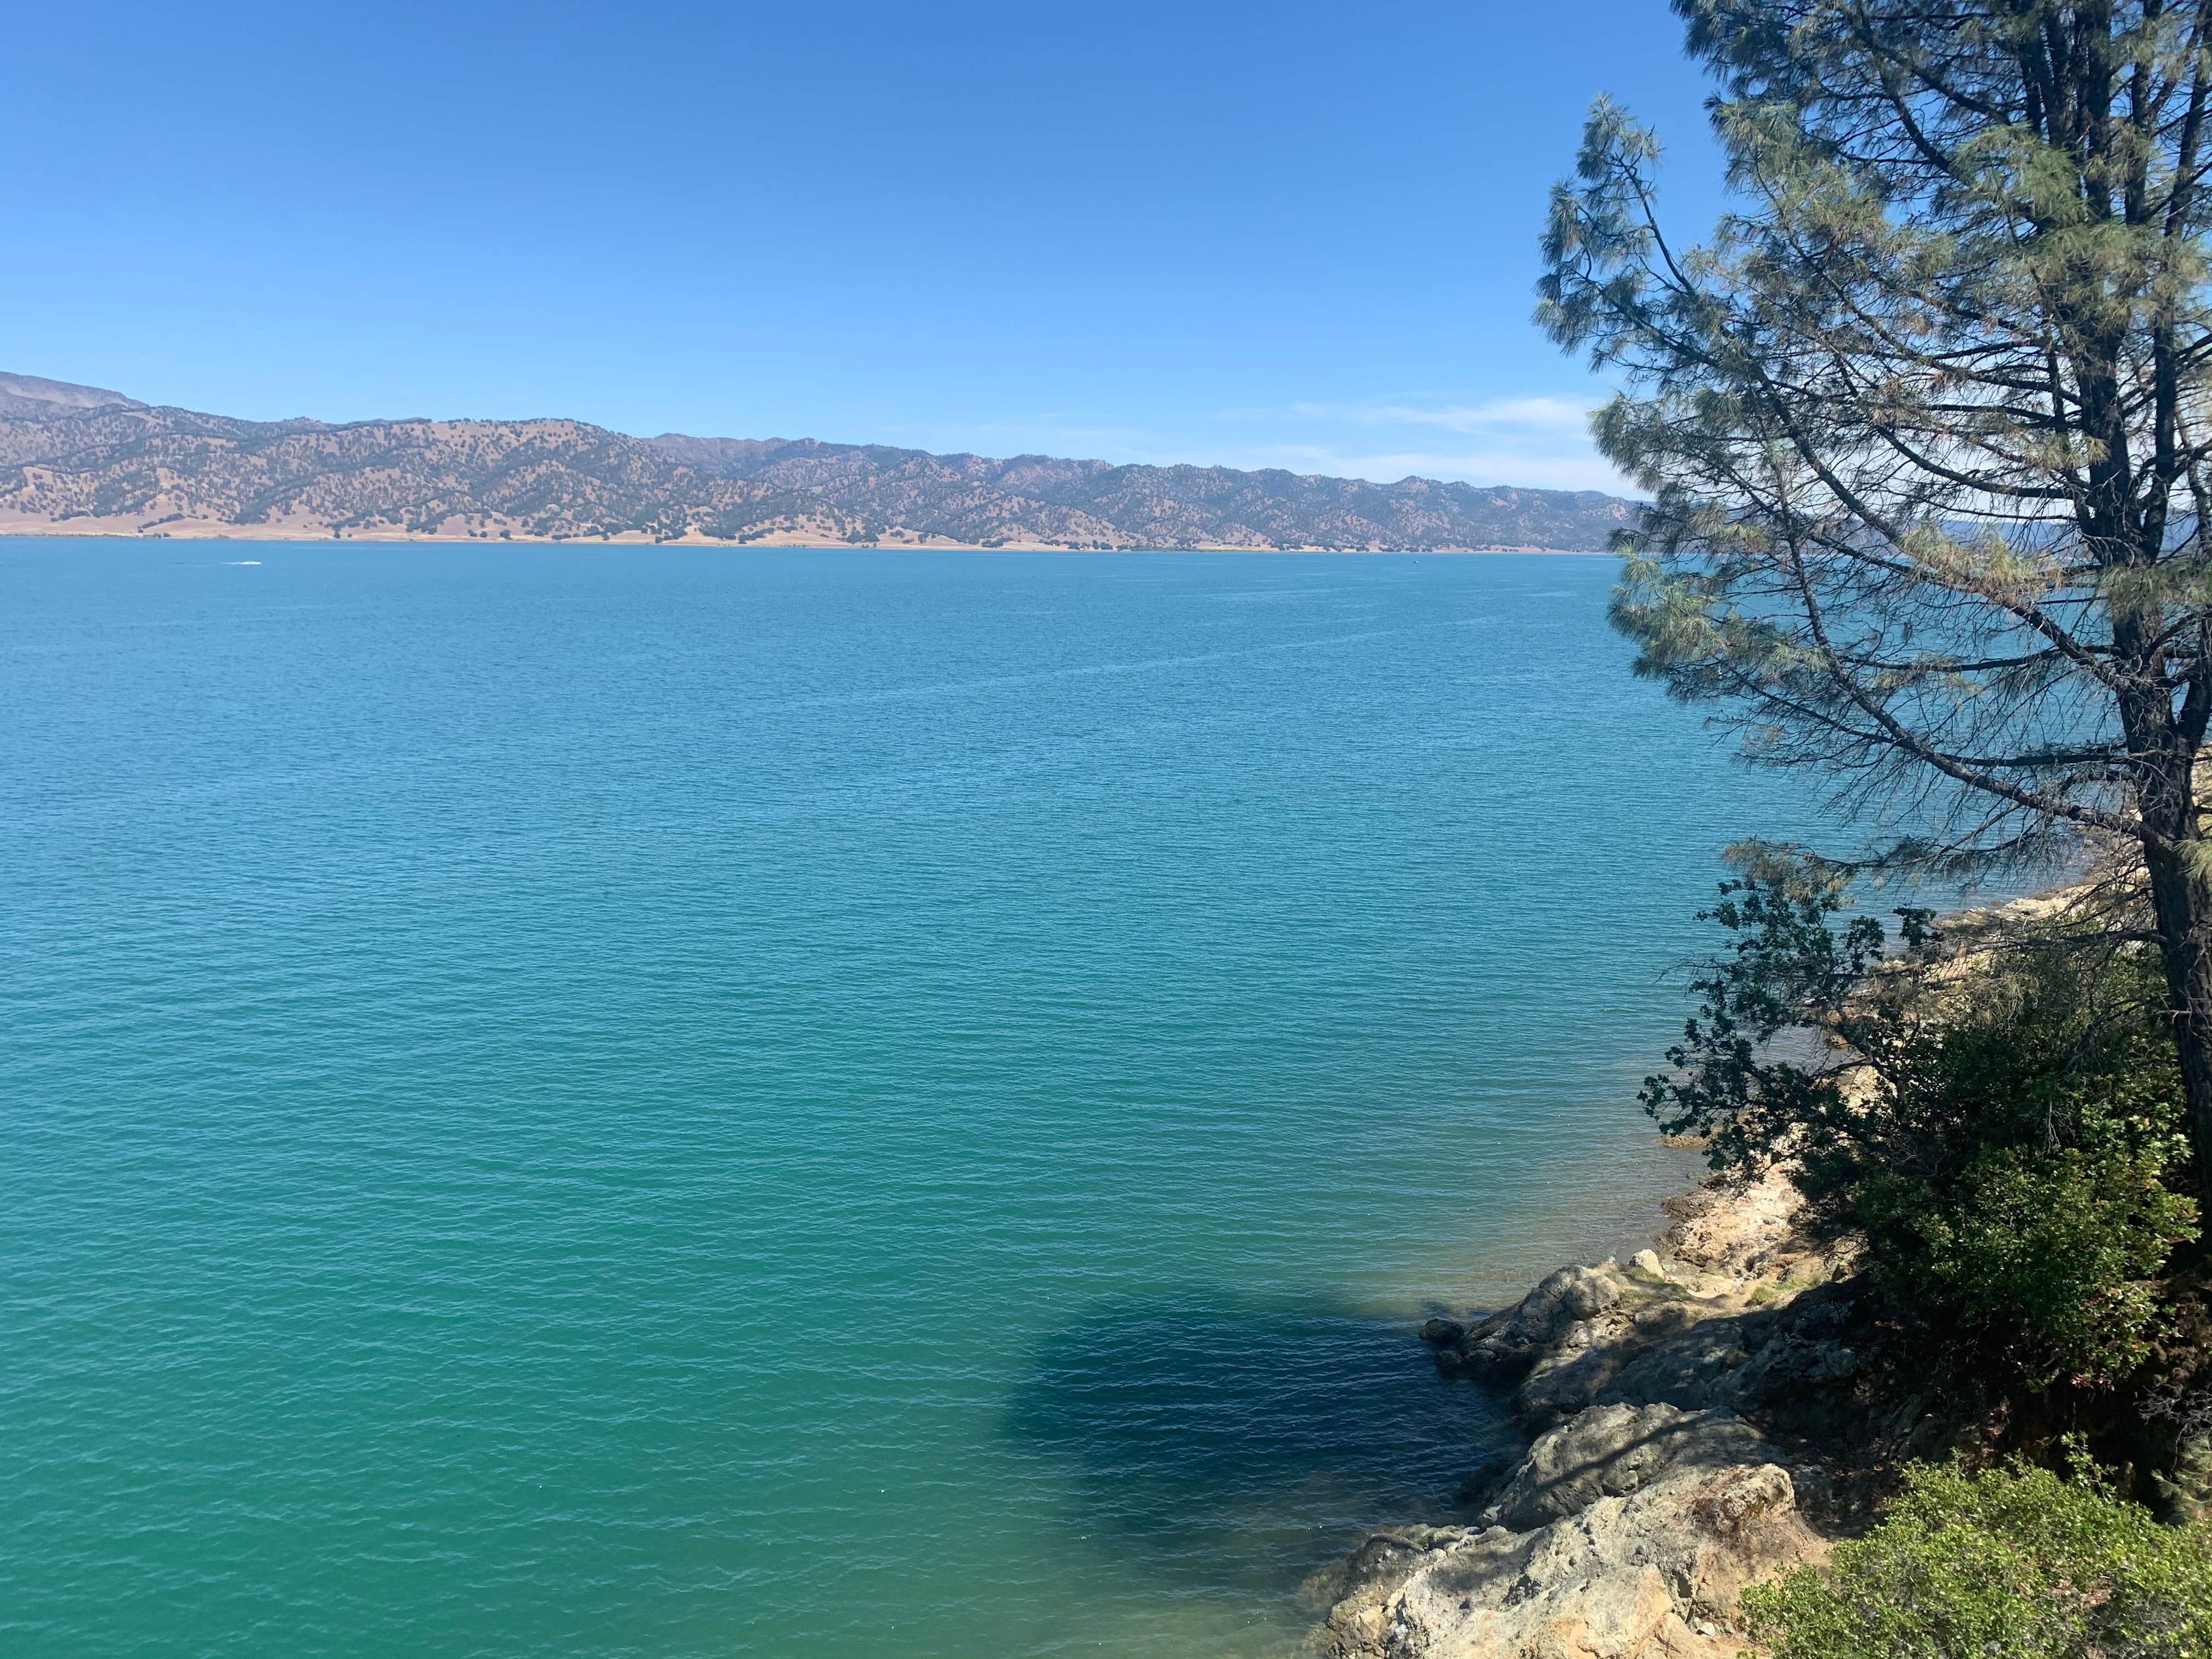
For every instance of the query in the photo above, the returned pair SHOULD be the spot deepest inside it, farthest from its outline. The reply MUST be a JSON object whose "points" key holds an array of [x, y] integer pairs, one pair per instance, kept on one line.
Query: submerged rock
{"points": [[1477, 1491]]}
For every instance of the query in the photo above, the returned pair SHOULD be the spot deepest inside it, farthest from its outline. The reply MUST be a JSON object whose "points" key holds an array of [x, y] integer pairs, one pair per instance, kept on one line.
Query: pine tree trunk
{"points": [[2182, 903]]}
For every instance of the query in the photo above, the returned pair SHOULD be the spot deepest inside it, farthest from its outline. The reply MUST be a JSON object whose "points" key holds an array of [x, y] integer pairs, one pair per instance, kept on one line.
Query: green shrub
{"points": [[2013, 1564], [2049, 1255], [2004, 1129]]}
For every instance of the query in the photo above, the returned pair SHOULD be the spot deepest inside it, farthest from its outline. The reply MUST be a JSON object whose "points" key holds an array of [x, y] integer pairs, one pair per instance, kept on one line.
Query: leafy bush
{"points": [[2052, 1253], [2002, 1127], [2011, 1564]]}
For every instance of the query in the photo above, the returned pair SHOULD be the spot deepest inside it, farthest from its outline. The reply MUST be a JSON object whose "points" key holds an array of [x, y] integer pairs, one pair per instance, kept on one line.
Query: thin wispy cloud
{"points": [[1537, 441], [1480, 467], [1548, 415]]}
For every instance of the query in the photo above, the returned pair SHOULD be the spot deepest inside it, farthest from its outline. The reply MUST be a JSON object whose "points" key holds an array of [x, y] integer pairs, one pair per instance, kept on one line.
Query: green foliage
{"points": [[1787, 969], [2010, 1564], [1918, 415], [2054, 1252], [2004, 1129], [1924, 422]]}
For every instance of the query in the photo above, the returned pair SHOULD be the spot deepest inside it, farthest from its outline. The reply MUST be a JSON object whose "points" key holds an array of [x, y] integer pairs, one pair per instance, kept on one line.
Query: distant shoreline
{"points": [[99, 530]]}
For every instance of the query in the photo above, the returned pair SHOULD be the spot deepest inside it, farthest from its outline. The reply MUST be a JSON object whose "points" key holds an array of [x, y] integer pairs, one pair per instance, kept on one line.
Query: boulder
{"points": [[1610, 1451], [1689, 1369], [1734, 1228], [1655, 1574], [1503, 1347], [1580, 1363]]}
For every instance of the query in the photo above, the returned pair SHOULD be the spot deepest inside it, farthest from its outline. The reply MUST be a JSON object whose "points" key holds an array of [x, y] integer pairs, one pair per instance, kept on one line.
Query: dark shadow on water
{"points": [[1235, 1447]]}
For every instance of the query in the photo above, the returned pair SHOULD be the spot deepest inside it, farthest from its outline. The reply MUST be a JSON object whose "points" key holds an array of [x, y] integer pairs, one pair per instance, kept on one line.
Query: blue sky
{"points": [[1287, 235]]}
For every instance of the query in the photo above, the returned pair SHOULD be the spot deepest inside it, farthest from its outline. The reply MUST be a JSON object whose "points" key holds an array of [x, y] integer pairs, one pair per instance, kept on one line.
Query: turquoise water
{"points": [[675, 1101]]}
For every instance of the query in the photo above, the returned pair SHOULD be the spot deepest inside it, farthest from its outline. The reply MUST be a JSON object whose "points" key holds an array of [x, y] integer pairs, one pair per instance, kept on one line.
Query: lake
{"points": [[680, 1101]]}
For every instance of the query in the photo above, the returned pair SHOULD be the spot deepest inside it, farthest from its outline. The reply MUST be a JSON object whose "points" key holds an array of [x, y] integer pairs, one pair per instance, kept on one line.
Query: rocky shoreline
{"points": [[1704, 1416]]}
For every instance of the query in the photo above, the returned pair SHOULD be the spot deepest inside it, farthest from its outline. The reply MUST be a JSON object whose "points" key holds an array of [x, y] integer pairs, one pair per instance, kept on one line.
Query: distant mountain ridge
{"points": [[86, 460], [28, 398], [1040, 498]]}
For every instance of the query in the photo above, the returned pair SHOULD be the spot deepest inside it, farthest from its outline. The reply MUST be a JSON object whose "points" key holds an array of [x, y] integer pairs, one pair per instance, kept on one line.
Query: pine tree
{"points": [[1927, 424]]}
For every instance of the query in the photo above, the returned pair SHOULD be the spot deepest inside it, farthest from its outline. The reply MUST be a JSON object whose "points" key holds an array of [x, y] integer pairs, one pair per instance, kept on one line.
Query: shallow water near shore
{"points": [[675, 1101]]}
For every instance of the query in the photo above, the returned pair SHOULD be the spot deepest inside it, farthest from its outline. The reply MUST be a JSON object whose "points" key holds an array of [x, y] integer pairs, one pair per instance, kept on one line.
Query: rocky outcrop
{"points": [[1655, 1574], [1678, 1405], [1610, 1451], [1534, 1330]]}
